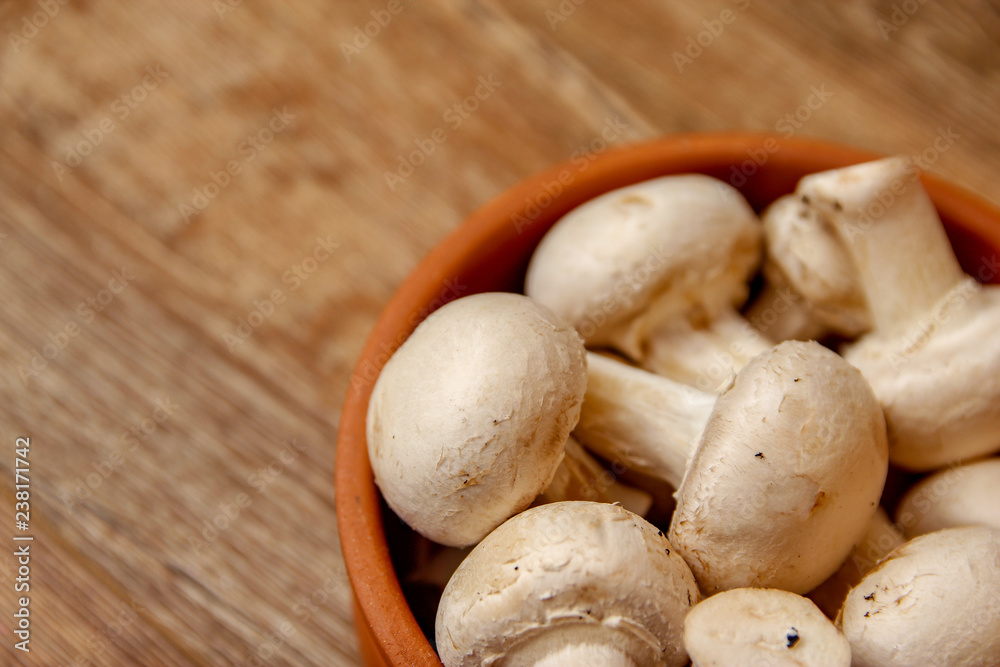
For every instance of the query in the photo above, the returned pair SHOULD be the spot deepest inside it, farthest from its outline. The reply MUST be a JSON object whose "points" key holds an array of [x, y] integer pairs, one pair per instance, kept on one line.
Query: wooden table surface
{"points": [[205, 205]]}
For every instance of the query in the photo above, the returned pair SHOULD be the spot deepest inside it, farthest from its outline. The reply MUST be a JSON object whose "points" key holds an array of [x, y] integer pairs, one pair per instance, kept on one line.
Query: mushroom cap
{"points": [[787, 474], [939, 382], [620, 263], [963, 495], [567, 573], [647, 421], [762, 626], [805, 252], [934, 601], [468, 419]]}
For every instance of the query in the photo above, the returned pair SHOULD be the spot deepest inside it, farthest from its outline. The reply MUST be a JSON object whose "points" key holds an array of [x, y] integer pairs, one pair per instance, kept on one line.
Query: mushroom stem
{"points": [[626, 409], [774, 486], [581, 477], [596, 655], [812, 289], [704, 355], [933, 356], [892, 232], [781, 314]]}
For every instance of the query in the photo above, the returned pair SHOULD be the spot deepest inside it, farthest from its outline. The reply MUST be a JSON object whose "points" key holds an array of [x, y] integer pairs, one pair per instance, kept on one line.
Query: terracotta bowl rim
{"points": [[384, 611]]}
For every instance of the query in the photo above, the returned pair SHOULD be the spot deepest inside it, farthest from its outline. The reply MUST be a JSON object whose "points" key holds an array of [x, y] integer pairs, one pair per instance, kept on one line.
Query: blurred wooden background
{"points": [[204, 205]]}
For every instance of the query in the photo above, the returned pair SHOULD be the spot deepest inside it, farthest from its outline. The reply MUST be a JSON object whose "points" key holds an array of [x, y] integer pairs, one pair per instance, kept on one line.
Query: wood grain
{"points": [[231, 158]]}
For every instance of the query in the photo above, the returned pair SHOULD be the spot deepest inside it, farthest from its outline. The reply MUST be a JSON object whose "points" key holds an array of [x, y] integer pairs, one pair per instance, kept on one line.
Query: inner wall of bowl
{"points": [[495, 257]]}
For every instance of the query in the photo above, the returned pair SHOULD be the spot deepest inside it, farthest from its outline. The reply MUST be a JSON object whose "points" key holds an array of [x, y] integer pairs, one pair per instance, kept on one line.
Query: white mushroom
{"points": [[581, 477], [811, 289], [786, 466], [645, 420], [933, 356], [882, 537], [468, 419], [934, 601], [762, 626], [656, 270], [569, 583], [962, 495]]}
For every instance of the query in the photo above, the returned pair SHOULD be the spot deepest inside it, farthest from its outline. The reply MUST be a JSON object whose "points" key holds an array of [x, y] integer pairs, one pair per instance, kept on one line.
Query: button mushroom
{"points": [[933, 355], [963, 495], [811, 289], [882, 537], [786, 466], [468, 419], [655, 271], [934, 601], [762, 626], [569, 583]]}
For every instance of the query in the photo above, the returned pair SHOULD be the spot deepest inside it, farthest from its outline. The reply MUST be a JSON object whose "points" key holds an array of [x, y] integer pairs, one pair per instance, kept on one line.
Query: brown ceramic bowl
{"points": [[489, 252]]}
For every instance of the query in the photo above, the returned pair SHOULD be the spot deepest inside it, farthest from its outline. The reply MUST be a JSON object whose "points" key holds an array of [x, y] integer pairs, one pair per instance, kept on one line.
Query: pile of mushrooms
{"points": [[535, 431]]}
